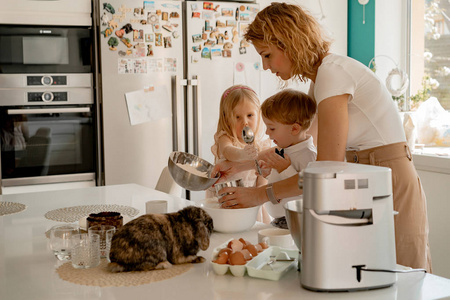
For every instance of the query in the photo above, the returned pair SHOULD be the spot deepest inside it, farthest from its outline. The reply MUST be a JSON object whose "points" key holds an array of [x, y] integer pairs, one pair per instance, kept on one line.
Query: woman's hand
{"points": [[226, 169], [242, 197]]}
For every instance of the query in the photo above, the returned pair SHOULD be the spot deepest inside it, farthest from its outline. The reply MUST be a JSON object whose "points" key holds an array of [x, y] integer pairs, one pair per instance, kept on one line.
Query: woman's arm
{"points": [[332, 131]]}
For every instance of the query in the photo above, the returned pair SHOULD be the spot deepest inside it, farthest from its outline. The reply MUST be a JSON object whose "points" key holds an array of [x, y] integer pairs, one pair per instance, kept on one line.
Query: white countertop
{"points": [[27, 266]]}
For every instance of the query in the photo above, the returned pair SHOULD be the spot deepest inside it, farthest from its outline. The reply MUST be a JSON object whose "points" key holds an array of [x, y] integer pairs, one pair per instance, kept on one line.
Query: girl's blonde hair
{"points": [[295, 32], [289, 107], [231, 97]]}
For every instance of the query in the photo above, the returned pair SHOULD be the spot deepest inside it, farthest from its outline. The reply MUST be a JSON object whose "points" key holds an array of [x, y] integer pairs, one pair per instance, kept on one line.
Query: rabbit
{"points": [[157, 241]]}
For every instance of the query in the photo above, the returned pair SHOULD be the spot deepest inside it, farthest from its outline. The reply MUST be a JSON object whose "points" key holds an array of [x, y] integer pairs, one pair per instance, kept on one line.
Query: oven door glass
{"points": [[37, 49], [42, 141]]}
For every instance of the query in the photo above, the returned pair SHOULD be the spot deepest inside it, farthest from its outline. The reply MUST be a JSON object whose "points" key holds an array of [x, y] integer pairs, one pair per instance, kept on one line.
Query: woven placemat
{"points": [[74, 213], [7, 208], [99, 276]]}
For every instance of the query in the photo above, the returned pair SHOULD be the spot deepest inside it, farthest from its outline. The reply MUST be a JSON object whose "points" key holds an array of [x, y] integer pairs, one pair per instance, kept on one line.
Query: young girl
{"points": [[239, 107]]}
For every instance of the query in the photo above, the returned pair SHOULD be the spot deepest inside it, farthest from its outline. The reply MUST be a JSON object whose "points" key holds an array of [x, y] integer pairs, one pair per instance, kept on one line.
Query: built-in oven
{"points": [[47, 108]]}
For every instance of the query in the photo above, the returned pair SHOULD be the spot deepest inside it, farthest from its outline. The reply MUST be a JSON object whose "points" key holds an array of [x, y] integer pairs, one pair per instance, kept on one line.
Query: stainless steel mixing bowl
{"points": [[294, 218], [189, 180]]}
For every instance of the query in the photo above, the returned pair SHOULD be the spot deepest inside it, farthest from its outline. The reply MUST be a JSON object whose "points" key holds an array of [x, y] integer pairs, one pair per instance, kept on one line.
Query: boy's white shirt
{"points": [[301, 155]]}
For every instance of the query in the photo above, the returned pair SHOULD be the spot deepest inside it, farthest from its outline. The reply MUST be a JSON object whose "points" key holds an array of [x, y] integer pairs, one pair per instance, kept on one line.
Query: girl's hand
{"points": [[250, 152], [226, 169], [275, 161]]}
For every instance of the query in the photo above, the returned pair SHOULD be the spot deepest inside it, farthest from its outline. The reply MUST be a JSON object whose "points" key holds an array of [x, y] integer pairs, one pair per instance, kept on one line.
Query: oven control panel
{"points": [[47, 96], [46, 80]]}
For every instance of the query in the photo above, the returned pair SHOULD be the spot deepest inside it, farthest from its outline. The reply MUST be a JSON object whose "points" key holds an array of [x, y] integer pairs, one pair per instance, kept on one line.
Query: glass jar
{"points": [[105, 218]]}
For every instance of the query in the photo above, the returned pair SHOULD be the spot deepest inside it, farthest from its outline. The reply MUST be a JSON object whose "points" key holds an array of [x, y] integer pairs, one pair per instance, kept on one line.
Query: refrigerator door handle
{"points": [[175, 102], [196, 117]]}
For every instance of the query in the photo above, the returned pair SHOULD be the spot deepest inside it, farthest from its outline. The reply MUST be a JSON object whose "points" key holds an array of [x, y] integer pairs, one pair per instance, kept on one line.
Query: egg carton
{"points": [[265, 265]]}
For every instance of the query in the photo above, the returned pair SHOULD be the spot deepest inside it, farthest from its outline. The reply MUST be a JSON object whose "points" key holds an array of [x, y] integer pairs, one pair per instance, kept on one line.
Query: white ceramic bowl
{"points": [[229, 220]]}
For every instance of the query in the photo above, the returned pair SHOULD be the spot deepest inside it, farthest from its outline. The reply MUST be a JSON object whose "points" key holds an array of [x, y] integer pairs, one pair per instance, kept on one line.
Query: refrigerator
{"points": [[162, 68]]}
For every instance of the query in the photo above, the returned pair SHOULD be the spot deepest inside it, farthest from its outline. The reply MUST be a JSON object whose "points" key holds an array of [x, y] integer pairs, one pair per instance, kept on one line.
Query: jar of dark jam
{"points": [[105, 218]]}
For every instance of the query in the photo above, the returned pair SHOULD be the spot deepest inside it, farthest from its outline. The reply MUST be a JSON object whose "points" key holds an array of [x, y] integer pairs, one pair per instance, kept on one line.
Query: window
{"points": [[430, 71]]}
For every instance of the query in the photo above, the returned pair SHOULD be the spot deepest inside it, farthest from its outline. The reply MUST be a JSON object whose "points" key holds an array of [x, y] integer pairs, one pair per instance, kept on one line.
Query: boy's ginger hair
{"points": [[289, 107]]}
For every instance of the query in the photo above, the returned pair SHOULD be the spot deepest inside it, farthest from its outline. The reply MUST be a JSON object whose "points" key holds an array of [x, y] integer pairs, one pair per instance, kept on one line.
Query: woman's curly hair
{"points": [[294, 31]]}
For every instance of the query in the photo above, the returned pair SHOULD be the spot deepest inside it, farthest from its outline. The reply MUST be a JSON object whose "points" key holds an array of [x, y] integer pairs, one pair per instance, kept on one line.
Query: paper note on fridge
{"points": [[148, 104]]}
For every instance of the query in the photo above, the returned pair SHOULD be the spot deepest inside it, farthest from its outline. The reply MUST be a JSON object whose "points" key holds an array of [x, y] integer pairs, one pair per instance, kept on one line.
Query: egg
{"points": [[264, 245], [235, 245], [222, 259], [252, 249], [237, 258], [258, 247], [247, 254], [244, 242], [225, 250]]}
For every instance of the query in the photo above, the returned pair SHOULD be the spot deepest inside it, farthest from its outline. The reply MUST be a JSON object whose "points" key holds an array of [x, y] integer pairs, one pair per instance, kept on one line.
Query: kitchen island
{"points": [[27, 265]]}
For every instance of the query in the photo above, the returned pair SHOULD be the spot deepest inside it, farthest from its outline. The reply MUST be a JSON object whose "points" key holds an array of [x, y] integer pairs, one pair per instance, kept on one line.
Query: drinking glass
{"points": [[60, 236], [85, 250], [106, 233]]}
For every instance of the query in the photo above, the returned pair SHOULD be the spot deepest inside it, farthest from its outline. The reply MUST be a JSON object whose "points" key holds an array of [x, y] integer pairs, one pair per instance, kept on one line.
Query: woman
{"points": [[356, 121]]}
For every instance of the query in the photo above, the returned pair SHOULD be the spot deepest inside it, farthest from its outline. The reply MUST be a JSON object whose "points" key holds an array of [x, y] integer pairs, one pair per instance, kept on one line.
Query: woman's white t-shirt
{"points": [[373, 116]]}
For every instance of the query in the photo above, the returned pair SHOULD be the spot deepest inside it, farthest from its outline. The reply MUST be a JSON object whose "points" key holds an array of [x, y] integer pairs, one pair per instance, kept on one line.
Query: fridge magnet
{"points": [[158, 39], [129, 52], [208, 5], [156, 27], [149, 38], [143, 22], [210, 43], [122, 53], [194, 6], [113, 43], [107, 32], [253, 9], [242, 8], [171, 5], [226, 53], [236, 16], [204, 35], [165, 16], [139, 49], [113, 24], [206, 53], [207, 27], [220, 39], [127, 42], [174, 15], [155, 65], [120, 33], [214, 34], [149, 5], [140, 66], [225, 34], [138, 12], [196, 38], [124, 66], [243, 28], [208, 15], [231, 23], [228, 46], [175, 34], [150, 88], [194, 59], [169, 28], [244, 17], [170, 64], [138, 35], [128, 28], [216, 8], [167, 42], [240, 67], [244, 43], [235, 38], [257, 66], [152, 18], [197, 48], [105, 19], [196, 14], [216, 52], [227, 12], [158, 12], [109, 8], [149, 50], [220, 24], [242, 50]]}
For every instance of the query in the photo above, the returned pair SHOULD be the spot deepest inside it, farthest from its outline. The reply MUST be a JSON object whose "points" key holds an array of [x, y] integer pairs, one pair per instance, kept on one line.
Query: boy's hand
{"points": [[276, 161], [265, 169]]}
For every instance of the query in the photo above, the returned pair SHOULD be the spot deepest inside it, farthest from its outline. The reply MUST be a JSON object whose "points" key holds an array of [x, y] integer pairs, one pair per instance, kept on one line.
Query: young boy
{"points": [[287, 115]]}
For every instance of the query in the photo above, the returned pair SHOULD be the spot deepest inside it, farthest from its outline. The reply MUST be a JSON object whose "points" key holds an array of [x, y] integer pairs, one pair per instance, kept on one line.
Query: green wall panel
{"points": [[361, 36]]}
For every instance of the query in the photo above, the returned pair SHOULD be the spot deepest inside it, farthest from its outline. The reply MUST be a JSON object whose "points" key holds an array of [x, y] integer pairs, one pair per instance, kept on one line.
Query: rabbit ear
{"points": [[203, 236]]}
